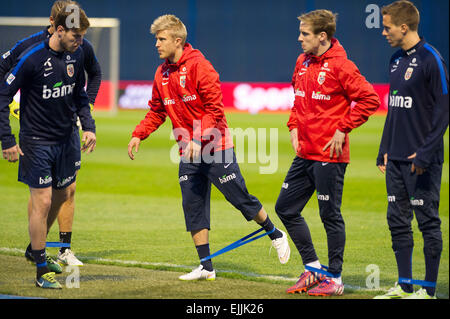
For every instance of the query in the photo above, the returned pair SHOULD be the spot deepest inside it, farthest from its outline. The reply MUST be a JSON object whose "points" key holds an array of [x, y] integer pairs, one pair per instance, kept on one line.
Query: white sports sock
{"points": [[315, 264], [337, 280]]}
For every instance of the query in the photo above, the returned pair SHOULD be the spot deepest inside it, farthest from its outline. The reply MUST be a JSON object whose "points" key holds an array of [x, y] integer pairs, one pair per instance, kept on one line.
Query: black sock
{"points": [[269, 226], [65, 237], [431, 272], [404, 264], [203, 251], [41, 262]]}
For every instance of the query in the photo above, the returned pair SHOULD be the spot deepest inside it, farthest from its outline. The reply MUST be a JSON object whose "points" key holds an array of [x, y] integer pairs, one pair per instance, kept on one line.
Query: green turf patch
{"points": [[130, 212]]}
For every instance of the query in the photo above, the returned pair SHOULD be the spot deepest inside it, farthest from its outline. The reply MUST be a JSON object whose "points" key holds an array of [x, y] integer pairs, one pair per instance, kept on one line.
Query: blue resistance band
{"points": [[422, 283], [321, 271], [56, 244], [238, 243]]}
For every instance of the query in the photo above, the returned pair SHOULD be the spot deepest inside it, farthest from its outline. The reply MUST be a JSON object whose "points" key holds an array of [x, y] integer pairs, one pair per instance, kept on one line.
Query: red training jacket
{"points": [[325, 88], [189, 93]]}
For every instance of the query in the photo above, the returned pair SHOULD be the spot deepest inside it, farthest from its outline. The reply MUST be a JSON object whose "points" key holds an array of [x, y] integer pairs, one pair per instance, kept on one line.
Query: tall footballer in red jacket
{"points": [[326, 83], [187, 89]]}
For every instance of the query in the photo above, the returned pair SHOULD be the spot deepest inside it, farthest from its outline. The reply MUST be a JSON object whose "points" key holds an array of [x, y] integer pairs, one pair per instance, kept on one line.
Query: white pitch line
{"points": [[175, 266]]}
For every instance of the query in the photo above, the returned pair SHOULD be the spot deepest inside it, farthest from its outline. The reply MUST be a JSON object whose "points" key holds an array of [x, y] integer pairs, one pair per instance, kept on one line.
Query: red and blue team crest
{"points": [[321, 77], [183, 81], [408, 73], [70, 70]]}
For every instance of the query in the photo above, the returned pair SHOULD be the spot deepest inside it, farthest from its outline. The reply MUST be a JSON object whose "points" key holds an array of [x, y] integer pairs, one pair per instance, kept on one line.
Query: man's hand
{"points": [[417, 169], [89, 141], [134, 143], [382, 168], [335, 144], [294, 139], [10, 154], [193, 151]]}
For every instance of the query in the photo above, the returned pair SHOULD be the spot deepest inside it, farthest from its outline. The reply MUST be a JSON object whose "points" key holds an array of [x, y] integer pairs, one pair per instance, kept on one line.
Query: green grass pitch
{"points": [[129, 219]]}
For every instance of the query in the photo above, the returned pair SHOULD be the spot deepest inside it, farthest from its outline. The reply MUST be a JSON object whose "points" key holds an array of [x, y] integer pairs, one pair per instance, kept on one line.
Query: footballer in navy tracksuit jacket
{"points": [[91, 65], [416, 123], [52, 96]]}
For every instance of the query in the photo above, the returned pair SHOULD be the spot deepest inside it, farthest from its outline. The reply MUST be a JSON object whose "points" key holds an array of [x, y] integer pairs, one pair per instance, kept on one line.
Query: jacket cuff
{"points": [[420, 163], [343, 129], [8, 142], [380, 161]]}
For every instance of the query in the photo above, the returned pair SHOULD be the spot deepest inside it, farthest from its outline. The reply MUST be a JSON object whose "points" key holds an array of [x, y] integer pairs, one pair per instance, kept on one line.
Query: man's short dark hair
{"points": [[403, 12]]}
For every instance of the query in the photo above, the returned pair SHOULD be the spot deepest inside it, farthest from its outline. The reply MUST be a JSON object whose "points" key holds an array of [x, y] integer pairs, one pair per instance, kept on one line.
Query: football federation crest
{"points": [[408, 73], [321, 77], [183, 81], [70, 70]]}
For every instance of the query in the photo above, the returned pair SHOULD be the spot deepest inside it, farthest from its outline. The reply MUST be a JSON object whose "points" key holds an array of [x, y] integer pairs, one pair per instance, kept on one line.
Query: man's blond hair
{"points": [[320, 21], [63, 18], [172, 24], [403, 12], [59, 4]]}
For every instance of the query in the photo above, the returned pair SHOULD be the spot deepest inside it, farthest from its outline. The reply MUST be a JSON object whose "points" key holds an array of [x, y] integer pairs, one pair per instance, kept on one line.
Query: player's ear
{"points": [[404, 28], [60, 30], [323, 36]]}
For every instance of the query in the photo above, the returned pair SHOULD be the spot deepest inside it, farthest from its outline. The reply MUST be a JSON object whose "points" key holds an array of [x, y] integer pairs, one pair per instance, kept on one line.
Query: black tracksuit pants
{"points": [[407, 193], [327, 179]]}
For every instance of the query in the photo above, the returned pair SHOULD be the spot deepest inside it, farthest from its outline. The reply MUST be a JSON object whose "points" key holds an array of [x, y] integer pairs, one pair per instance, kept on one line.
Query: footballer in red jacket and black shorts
{"points": [[187, 89], [331, 99]]}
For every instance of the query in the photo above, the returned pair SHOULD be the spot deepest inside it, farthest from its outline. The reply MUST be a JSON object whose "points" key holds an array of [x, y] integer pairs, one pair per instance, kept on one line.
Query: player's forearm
{"points": [[93, 85], [152, 121], [208, 123], [84, 112], [434, 139], [87, 122], [292, 122], [360, 113], [6, 137]]}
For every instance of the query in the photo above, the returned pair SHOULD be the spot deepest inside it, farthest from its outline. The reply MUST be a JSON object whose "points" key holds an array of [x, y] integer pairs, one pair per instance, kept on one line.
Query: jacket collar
{"points": [[415, 48], [188, 52], [336, 50]]}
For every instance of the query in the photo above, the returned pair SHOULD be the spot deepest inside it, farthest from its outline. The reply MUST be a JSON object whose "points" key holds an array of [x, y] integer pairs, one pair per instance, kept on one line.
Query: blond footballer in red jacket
{"points": [[187, 89], [326, 83]]}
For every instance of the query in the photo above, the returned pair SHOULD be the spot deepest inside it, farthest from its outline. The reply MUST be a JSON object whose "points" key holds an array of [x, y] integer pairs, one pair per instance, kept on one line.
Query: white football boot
{"points": [[421, 294], [282, 246], [68, 258], [199, 274]]}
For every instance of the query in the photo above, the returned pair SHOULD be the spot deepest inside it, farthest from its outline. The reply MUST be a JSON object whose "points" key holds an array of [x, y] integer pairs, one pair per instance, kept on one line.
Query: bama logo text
{"points": [[226, 178], [400, 101], [58, 90], [319, 96], [45, 180]]}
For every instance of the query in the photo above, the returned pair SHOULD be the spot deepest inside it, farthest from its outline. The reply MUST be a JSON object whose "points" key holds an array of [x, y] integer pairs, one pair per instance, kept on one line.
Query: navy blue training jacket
{"points": [[52, 96], [418, 107]]}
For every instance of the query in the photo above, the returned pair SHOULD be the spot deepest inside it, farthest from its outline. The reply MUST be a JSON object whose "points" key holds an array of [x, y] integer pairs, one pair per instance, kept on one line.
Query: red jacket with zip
{"points": [[189, 93], [325, 88]]}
